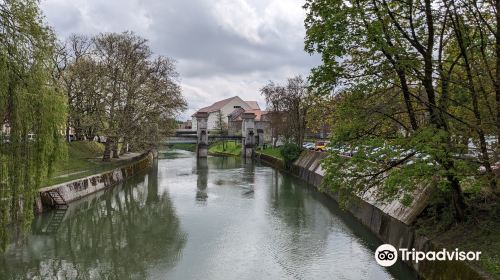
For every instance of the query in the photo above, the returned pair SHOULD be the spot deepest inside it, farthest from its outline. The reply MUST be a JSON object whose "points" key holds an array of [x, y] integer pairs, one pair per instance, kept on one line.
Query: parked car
{"points": [[308, 146], [320, 146]]}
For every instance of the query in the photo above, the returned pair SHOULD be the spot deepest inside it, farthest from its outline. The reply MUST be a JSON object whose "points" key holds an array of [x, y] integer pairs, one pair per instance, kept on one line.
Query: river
{"points": [[218, 218]]}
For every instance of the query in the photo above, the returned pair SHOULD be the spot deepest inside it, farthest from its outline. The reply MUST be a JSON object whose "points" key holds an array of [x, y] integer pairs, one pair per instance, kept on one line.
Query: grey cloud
{"points": [[64, 17], [190, 32], [193, 35]]}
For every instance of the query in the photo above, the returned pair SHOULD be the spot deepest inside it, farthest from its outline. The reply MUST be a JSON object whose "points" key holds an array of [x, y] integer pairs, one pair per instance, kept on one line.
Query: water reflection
{"points": [[248, 178], [246, 221], [106, 236], [202, 179]]}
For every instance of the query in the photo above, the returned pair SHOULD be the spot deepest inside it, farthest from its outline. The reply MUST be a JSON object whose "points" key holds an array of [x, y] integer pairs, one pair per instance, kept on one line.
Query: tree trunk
{"points": [[457, 198], [68, 138], [123, 150], [407, 99], [484, 158], [78, 130], [497, 76], [107, 150], [115, 149]]}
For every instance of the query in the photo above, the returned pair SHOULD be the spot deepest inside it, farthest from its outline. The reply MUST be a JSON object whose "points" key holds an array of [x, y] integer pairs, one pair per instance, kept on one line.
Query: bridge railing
{"points": [[192, 139]]}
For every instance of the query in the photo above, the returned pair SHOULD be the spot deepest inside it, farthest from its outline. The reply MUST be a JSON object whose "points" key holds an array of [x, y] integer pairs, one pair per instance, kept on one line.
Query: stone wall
{"points": [[274, 162], [390, 222], [79, 188]]}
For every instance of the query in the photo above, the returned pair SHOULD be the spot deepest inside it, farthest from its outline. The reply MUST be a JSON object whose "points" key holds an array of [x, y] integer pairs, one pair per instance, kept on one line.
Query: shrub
{"points": [[290, 152]]}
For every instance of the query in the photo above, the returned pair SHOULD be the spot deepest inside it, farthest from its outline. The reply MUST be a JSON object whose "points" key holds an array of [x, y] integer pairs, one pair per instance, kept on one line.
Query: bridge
{"points": [[186, 138], [251, 137]]}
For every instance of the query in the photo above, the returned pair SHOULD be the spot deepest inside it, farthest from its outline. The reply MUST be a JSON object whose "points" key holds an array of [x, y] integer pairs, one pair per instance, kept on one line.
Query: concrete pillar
{"points": [[202, 180], [248, 132], [260, 137], [202, 134]]}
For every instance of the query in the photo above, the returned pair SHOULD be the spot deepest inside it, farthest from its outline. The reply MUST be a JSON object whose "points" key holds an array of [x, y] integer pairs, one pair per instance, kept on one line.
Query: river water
{"points": [[218, 218]]}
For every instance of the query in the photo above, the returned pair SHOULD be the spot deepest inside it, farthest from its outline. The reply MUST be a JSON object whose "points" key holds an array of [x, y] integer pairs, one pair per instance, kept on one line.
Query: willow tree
{"points": [[32, 110]]}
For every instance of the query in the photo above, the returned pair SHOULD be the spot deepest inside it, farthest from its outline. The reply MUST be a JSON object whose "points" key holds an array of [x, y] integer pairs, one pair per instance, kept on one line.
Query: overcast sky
{"points": [[222, 47]]}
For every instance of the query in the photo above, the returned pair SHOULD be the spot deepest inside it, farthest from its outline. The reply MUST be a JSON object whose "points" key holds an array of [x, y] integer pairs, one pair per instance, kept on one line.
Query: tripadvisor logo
{"points": [[387, 255]]}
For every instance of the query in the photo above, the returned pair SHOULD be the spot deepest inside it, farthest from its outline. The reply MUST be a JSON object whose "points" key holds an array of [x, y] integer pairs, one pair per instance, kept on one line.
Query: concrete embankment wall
{"points": [[274, 162], [80, 188], [391, 222]]}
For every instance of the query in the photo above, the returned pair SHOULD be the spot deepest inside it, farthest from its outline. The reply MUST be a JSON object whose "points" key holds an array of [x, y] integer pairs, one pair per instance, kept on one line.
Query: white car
{"points": [[308, 146]]}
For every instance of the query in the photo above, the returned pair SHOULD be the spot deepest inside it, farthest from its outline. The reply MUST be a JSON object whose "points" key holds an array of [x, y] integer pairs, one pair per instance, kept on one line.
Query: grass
{"points": [[229, 148], [83, 159], [182, 146], [480, 232], [270, 151], [481, 236]]}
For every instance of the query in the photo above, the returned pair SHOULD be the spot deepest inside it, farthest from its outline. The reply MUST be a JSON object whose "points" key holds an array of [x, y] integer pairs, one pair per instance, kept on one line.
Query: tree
{"points": [[116, 88], [408, 91], [288, 106], [141, 93], [78, 75], [320, 114], [31, 104], [275, 108], [221, 126]]}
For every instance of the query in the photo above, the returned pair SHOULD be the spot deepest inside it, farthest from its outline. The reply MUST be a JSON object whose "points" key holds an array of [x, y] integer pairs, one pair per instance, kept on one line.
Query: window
{"points": [[236, 107]]}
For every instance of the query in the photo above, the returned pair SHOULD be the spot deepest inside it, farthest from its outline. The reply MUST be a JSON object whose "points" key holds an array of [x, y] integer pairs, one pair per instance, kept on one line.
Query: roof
{"points": [[236, 115], [220, 104], [253, 104], [217, 105]]}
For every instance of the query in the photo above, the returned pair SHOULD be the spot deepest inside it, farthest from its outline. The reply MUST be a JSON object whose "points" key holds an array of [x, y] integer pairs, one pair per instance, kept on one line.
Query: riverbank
{"points": [[394, 223], [272, 152], [76, 189], [84, 158], [184, 147], [272, 160]]}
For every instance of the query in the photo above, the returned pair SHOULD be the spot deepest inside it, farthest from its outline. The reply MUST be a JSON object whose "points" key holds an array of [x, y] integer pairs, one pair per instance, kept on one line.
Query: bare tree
{"points": [[221, 127], [287, 106], [117, 88]]}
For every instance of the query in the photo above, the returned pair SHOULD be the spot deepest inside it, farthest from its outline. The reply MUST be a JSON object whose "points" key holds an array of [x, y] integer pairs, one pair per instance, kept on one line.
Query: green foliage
{"points": [[227, 148], [412, 84], [32, 109], [290, 152], [479, 233], [406, 97]]}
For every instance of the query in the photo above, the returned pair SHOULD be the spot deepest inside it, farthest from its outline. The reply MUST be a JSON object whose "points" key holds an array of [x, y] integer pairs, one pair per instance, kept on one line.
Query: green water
{"points": [[219, 218]]}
